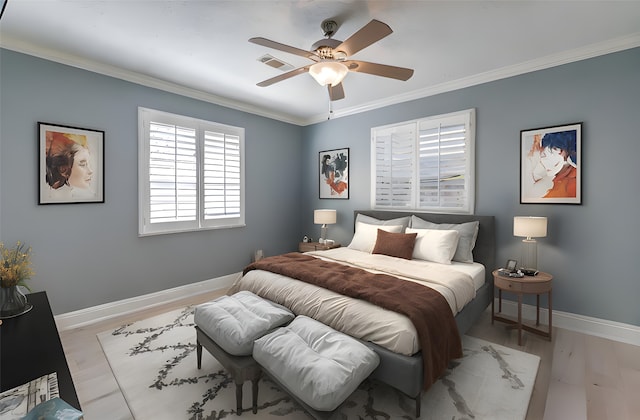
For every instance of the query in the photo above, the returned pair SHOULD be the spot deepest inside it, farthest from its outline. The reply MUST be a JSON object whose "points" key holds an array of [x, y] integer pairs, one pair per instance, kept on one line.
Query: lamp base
{"points": [[529, 254], [323, 233]]}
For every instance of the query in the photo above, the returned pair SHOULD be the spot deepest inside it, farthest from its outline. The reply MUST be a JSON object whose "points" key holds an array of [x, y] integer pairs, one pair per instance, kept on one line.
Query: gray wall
{"points": [[89, 254], [591, 249]]}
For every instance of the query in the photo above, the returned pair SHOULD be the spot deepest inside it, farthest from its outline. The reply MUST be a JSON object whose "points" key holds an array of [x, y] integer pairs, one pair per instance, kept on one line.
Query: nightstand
{"points": [[315, 246], [527, 285]]}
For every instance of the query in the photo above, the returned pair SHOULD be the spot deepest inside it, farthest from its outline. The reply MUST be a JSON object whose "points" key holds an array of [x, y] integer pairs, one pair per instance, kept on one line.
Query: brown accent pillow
{"points": [[395, 244]]}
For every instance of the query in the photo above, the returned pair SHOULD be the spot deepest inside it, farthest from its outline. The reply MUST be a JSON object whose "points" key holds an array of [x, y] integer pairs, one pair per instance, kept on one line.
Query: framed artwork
{"points": [[71, 165], [550, 168], [334, 173]]}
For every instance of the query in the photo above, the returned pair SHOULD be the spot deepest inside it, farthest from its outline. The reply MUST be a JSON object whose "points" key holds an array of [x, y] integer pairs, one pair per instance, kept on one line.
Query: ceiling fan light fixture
{"points": [[328, 72]]}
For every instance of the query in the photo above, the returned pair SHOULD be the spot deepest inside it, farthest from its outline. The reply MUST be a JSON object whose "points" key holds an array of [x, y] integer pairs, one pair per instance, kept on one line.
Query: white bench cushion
{"points": [[235, 321], [319, 365]]}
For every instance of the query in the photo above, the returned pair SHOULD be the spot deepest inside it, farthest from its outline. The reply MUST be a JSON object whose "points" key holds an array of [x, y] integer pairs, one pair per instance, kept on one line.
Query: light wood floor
{"points": [[580, 376]]}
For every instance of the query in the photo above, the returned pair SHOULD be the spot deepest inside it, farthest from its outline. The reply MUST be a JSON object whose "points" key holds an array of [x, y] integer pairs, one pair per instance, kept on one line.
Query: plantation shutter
{"points": [[425, 164], [190, 174], [173, 176], [442, 164], [222, 179], [394, 162]]}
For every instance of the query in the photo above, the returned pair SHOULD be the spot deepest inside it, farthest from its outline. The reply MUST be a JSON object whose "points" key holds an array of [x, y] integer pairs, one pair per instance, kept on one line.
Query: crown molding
{"points": [[140, 79], [553, 60]]}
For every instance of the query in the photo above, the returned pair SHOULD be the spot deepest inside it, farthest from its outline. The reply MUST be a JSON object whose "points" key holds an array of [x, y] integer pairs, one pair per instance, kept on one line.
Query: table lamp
{"points": [[529, 227], [324, 217]]}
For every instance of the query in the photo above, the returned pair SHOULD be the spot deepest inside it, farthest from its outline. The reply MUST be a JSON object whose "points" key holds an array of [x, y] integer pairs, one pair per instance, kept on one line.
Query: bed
{"points": [[403, 361]]}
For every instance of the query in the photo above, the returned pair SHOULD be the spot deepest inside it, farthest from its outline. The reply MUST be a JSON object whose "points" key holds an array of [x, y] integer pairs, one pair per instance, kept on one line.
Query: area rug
{"points": [[154, 362]]}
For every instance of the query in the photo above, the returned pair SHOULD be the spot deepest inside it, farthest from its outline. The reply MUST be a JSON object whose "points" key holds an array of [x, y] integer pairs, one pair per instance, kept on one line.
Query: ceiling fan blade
{"points": [[284, 76], [286, 48], [372, 32], [336, 92], [400, 73]]}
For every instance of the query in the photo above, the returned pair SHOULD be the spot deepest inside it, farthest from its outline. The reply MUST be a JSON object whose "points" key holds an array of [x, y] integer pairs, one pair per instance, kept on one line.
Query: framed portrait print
{"points": [[334, 173], [550, 167], [71, 165]]}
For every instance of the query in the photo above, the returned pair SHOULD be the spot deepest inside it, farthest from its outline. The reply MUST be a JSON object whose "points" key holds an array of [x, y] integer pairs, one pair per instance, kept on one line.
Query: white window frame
{"points": [[402, 192], [199, 221]]}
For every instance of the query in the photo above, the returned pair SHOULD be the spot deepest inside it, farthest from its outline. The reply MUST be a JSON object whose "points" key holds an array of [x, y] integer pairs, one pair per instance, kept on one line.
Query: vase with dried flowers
{"points": [[15, 269]]}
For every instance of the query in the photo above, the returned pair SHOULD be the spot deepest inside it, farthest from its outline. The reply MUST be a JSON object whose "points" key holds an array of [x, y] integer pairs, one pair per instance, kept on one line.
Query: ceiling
{"points": [[201, 49]]}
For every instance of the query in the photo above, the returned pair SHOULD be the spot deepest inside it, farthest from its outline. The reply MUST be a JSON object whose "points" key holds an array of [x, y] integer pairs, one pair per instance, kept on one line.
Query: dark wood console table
{"points": [[30, 347]]}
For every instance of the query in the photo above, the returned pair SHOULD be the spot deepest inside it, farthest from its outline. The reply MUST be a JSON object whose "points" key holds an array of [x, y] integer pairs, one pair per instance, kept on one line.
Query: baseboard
{"points": [[109, 310], [611, 330]]}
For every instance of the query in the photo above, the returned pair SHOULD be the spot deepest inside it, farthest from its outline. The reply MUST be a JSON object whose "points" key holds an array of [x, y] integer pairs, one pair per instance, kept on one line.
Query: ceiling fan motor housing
{"points": [[325, 48]]}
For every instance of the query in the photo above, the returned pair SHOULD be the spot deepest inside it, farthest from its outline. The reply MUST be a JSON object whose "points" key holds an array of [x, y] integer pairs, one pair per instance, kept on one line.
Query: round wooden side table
{"points": [[537, 285]]}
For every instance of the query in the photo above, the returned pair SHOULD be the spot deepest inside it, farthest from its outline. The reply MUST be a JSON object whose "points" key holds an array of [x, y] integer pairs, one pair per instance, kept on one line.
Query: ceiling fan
{"points": [[332, 57]]}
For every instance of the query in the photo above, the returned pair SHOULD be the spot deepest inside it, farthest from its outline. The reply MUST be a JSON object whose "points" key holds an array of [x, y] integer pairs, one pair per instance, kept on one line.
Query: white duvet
{"points": [[356, 317]]}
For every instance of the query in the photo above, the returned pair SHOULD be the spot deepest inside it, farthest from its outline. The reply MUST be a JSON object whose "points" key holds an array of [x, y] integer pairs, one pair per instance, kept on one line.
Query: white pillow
{"points": [[435, 245], [403, 221], [366, 235], [468, 235]]}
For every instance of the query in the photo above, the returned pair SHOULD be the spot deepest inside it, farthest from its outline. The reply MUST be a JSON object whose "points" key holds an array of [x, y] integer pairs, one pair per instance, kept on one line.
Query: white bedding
{"points": [[359, 318], [457, 282], [475, 270]]}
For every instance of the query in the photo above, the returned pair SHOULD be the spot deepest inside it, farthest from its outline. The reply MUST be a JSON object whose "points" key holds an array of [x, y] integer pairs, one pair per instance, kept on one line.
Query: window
{"points": [[425, 164], [190, 174]]}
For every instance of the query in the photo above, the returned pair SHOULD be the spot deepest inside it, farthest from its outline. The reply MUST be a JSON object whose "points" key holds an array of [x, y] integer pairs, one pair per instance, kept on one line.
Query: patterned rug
{"points": [[154, 362]]}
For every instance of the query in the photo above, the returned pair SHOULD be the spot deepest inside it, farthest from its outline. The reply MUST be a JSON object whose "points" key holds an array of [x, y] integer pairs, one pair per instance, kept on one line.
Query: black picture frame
{"points": [[550, 165], [511, 265], [334, 174], [63, 149]]}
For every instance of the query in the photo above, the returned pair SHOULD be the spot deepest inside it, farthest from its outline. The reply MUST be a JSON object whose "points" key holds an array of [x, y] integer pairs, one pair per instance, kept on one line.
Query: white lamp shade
{"points": [[530, 227], [324, 217], [328, 72]]}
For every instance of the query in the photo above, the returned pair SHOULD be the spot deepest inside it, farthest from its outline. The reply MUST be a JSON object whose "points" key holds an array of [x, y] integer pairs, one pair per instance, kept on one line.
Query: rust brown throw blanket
{"points": [[425, 307]]}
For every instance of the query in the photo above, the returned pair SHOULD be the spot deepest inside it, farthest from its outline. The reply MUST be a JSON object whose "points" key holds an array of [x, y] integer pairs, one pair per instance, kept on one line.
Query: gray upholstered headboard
{"points": [[485, 249]]}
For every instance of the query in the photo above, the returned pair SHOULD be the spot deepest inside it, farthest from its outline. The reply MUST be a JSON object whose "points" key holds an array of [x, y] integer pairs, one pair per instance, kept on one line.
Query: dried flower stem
{"points": [[15, 265]]}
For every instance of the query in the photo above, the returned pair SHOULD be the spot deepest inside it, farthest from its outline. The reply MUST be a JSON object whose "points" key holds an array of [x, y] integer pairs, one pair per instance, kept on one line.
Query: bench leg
{"points": [[418, 402], [199, 353], [238, 398], [254, 394]]}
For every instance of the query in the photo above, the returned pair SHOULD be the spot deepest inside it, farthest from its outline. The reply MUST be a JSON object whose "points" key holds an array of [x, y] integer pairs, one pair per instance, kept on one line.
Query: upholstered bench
{"points": [[228, 326], [318, 366]]}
